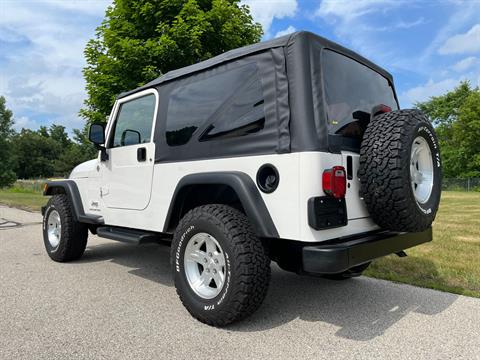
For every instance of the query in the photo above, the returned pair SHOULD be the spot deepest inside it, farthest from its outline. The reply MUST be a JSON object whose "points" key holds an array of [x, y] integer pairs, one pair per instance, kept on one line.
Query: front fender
{"points": [[69, 188]]}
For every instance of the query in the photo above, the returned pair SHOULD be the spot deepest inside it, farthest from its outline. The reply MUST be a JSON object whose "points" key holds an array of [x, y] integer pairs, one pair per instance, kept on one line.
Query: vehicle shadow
{"points": [[150, 261], [362, 308]]}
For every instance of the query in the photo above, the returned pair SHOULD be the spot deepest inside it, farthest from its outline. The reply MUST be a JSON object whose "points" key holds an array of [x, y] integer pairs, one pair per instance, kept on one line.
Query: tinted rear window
{"points": [[349, 87]]}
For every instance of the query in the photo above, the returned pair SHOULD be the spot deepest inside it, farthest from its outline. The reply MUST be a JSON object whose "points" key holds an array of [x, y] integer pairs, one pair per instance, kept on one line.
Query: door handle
{"points": [[141, 154]]}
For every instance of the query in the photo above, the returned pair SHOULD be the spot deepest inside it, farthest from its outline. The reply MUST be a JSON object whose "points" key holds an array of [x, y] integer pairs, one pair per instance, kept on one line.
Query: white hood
{"points": [[88, 169]]}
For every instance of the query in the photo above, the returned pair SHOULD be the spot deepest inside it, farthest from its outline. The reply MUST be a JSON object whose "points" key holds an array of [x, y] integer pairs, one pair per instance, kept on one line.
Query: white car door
{"points": [[126, 177]]}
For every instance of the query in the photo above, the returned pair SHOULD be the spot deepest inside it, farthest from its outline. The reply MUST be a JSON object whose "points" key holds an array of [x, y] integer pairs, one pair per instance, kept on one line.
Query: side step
{"points": [[129, 236]]}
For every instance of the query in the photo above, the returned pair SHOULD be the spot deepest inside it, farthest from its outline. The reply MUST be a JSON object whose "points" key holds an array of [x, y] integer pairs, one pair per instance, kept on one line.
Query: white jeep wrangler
{"points": [[292, 150]]}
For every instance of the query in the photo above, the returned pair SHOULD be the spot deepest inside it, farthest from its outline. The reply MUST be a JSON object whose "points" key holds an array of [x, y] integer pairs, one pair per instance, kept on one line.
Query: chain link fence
{"points": [[469, 184], [34, 185]]}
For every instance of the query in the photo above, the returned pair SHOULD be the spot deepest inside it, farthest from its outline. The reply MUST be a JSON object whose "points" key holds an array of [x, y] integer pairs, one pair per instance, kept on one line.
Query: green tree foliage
{"points": [[7, 175], [35, 153], [49, 152], [78, 151], [141, 39], [456, 116]]}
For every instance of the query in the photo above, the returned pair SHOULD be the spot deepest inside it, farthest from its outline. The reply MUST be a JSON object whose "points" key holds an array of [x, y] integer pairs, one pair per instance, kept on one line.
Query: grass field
{"points": [[24, 198], [451, 262]]}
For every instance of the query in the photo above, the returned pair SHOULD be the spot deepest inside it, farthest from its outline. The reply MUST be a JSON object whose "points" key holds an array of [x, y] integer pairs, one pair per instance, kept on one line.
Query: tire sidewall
{"points": [[50, 207], [195, 303], [429, 208]]}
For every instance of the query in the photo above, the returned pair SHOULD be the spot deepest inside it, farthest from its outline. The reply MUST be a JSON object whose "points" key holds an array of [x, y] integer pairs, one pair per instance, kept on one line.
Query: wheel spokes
{"points": [[197, 256]]}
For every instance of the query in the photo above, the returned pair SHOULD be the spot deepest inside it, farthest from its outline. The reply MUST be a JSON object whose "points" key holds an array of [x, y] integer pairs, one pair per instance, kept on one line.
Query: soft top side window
{"points": [[133, 124], [221, 106]]}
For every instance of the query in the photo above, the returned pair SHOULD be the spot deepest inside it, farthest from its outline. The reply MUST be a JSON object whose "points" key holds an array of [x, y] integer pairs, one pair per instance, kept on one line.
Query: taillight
{"points": [[380, 109], [335, 182]]}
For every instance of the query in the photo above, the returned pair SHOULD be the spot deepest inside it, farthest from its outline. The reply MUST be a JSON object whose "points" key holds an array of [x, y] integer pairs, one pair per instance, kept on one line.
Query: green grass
{"points": [[451, 262], [25, 195]]}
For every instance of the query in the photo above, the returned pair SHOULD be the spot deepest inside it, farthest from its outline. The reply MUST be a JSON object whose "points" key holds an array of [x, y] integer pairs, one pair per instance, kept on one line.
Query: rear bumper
{"points": [[341, 255]]}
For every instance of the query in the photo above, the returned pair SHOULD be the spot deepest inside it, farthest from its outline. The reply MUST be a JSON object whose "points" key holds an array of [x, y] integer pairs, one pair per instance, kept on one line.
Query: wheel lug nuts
{"points": [[205, 260], [210, 254], [214, 271], [207, 270], [216, 261]]}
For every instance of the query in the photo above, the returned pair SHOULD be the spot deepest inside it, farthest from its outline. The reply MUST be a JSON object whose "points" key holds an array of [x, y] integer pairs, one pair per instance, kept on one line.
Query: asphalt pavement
{"points": [[118, 302]]}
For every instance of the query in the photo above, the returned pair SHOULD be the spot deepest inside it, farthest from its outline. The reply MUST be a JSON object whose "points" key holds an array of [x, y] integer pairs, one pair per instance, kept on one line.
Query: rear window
{"points": [[350, 89]]}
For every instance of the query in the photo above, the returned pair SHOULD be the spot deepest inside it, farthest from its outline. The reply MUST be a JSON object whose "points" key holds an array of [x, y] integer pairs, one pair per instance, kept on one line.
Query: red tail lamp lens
{"points": [[380, 109], [335, 182]]}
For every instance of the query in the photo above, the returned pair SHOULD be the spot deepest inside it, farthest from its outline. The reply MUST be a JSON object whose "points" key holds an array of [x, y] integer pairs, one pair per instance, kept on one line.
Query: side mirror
{"points": [[96, 135], [130, 137]]}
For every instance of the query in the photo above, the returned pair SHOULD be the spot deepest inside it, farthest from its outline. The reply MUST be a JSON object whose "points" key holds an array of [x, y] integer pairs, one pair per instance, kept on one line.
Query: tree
{"points": [[35, 153], [49, 152], [456, 116], [140, 39], [79, 150], [7, 175]]}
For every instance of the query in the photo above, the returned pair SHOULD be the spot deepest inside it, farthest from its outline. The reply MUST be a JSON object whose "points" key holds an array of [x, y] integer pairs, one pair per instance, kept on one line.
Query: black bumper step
{"points": [[337, 257], [130, 236]]}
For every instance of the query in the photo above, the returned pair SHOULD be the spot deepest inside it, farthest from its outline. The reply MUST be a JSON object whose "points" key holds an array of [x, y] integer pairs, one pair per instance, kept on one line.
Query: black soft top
{"points": [[294, 105], [298, 40]]}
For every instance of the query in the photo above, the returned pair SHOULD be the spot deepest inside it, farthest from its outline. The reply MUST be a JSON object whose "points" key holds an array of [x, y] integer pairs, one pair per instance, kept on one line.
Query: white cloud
{"points": [[352, 22], [409, 24], [465, 64], [265, 11], [89, 7], [468, 42], [41, 71], [24, 122], [430, 88], [348, 10], [286, 31]]}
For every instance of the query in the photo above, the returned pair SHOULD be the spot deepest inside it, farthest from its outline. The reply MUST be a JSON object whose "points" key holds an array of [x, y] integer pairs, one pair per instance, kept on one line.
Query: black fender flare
{"points": [[244, 187], [70, 188]]}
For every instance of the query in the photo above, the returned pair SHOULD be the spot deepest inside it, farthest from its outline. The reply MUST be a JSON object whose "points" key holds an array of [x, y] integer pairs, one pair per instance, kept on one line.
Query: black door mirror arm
{"points": [[103, 152]]}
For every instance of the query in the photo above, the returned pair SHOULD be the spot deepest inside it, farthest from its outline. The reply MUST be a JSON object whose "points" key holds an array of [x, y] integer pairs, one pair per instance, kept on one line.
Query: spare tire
{"points": [[400, 171]]}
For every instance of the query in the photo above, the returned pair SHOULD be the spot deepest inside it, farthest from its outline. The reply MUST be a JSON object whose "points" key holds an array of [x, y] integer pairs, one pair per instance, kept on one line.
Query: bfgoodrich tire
{"points": [[65, 239], [221, 269], [400, 171]]}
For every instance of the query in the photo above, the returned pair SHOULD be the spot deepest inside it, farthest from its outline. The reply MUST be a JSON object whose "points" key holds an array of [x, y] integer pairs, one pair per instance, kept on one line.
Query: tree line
{"points": [[42, 153], [49, 152], [139, 40], [456, 117]]}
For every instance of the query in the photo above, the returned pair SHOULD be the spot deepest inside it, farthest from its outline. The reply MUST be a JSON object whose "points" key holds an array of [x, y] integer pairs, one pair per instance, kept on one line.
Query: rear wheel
{"points": [[65, 239], [221, 269], [400, 171]]}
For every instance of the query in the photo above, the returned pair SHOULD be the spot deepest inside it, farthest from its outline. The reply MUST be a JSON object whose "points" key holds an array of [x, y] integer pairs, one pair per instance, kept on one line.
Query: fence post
{"points": [[468, 184]]}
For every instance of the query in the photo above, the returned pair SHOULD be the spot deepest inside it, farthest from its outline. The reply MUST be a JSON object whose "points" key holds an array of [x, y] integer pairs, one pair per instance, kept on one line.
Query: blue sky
{"points": [[428, 45]]}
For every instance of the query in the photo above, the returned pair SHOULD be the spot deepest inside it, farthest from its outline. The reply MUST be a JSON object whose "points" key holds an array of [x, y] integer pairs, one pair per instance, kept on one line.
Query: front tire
{"points": [[221, 268], [65, 239]]}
